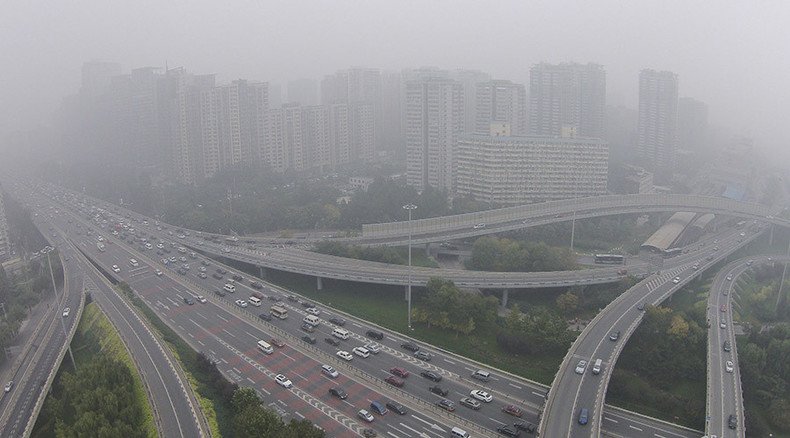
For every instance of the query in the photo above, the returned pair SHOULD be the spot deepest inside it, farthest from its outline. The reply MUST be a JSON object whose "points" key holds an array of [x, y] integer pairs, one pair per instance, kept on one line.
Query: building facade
{"points": [[5, 244], [512, 170], [567, 95], [692, 124], [500, 102], [657, 133]]}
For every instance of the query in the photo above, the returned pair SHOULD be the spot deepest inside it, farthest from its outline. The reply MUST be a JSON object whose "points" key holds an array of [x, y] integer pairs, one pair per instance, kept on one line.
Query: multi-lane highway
{"points": [[574, 407], [228, 333]]}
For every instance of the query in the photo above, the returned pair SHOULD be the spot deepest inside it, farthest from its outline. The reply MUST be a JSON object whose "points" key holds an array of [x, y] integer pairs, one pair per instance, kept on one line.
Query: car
{"points": [[309, 328], [309, 339], [481, 395], [749, 263], [725, 292], [219, 292], [470, 403], [361, 352], [438, 390], [202, 269], [641, 306], [581, 367], [614, 336], [423, 355], [329, 371], [732, 422], [369, 433], [307, 304], [394, 381], [292, 298], [189, 301], [526, 426], [332, 341], [338, 392], [431, 375], [723, 308], [400, 372], [729, 278], [221, 271], [116, 269], [217, 276], [158, 273], [723, 325], [726, 346], [345, 355], [241, 303], [201, 299], [204, 262], [8, 386], [479, 226], [583, 413], [508, 431], [410, 346], [396, 407], [256, 285], [202, 275], [445, 404], [729, 366], [238, 277], [313, 311], [373, 347], [277, 343], [374, 334], [365, 416], [183, 259], [513, 410], [676, 280], [695, 267], [338, 321], [265, 316], [283, 381], [66, 312]]}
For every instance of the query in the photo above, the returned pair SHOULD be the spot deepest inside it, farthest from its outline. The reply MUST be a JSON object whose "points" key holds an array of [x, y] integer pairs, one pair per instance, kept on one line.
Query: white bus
{"points": [[265, 347], [255, 301], [279, 312]]}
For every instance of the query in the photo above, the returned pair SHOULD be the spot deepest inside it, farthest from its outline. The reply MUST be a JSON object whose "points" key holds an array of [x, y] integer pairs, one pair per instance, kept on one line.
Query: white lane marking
{"points": [[231, 334], [300, 415], [264, 390], [250, 380], [220, 317], [201, 343], [538, 394], [251, 335], [289, 357], [659, 436], [515, 386], [356, 325], [449, 361], [611, 419], [634, 427], [497, 421]]}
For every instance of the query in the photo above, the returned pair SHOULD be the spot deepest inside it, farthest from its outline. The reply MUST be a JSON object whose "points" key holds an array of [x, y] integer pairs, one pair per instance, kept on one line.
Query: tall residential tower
{"points": [[657, 129]]}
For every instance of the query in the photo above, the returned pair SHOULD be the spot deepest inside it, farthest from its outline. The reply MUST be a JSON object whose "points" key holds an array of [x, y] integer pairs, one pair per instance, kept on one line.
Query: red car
{"points": [[400, 372], [277, 343], [392, 380], [723, 308], [513, 410]]}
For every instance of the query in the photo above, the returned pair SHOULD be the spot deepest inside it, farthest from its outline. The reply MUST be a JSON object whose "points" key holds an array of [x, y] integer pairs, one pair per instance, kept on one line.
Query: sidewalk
{"points": [[26, 329]]}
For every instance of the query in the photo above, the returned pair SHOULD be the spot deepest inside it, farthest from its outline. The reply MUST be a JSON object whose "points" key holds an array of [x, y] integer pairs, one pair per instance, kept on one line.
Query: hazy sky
{"points": [[734, 55]]}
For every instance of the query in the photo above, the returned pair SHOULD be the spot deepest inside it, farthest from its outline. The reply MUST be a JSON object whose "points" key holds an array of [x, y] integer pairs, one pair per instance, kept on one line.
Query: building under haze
{"points": [[361, 89], [500, 102], [303, 92], [5, 244], [469, 79], [567, 96], [692, 124], [512, 170], [434, 117], [657, 133]]}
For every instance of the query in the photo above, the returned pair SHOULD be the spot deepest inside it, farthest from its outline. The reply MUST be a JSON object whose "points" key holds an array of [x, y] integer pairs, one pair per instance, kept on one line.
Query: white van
{"points": [[255, 301], [230, 288], [458, 432], [312, 320], [134, 263], [596, 369], [340, 333], [265, 347]]}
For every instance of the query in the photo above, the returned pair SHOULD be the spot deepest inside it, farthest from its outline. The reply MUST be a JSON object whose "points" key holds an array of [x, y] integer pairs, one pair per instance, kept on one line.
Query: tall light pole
{"points": [[409, 208], [48, 249]]}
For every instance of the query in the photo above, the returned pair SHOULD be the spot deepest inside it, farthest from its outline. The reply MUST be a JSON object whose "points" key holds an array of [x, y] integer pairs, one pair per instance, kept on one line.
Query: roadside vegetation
{"points": [[506, 255], [383, 254], [104, 396]]}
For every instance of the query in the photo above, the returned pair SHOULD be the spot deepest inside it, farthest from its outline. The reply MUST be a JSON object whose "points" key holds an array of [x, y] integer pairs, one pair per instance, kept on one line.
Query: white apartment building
{"points": [[512, 170]]}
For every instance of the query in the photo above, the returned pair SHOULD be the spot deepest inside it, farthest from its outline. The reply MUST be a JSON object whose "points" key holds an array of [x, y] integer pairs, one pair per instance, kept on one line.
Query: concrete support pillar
{"points": [[319, 283], [261, 272], [428, 249], [771, 236], [505, 293]]}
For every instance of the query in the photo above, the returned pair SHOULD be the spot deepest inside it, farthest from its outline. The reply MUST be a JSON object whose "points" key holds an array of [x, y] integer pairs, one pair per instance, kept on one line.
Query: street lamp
{"points": [[409, 208], [48, 249]]}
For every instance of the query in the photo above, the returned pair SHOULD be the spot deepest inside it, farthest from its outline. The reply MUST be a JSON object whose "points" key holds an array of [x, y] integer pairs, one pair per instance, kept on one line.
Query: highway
{"points": [[19, 407], [230, 324], [574, 390]]}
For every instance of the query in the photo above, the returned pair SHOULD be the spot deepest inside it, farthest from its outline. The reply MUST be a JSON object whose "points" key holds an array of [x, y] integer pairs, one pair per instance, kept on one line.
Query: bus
{"points": [[279, 312], [614, 259], [672, 252]]}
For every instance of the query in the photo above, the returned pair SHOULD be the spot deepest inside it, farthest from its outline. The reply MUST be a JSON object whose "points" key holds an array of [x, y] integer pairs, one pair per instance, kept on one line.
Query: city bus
{"points": [[279, 312], [614, 259]]}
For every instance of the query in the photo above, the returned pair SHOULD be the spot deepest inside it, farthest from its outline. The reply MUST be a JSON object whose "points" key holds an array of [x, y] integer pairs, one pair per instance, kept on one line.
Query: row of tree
{"points": [[505, 255], [251, 419], [539, 330], [383, 254], [445, 306]]}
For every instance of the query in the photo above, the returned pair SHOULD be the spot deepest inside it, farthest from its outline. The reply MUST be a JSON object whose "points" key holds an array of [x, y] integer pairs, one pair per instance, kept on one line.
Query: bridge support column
{"points": [[771, 236], [319, 283], [428, 249], [505, 293], [261, 272]]}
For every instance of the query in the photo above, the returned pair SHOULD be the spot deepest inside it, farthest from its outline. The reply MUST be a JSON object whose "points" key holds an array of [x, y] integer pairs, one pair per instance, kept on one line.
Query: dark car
{"points": [[219, 293], [525, 426], [256, 285], [274, 298], [431, 375], [470, 403], [614, 336], [277, 343], [396, 407], [307, 304], [221, 271], [374, 334], [217, 276], [445, 404], [332, 341], [400, 372], [641, 306], [189, 301], [438, 390], [309, 339], [265, 316], [422, 355], [292, 298], [339, 393], [583, 416], [410, 346], [727, 346], [369, 433], [338, 321], [204, 262], [732, 422], [513, 410], [308, 328], [508, 431], [238, 277], [394, 381]]}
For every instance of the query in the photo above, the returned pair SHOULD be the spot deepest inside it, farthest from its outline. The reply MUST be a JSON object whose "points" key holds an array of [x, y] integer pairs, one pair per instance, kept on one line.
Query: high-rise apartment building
{"points": [[568, 95], [469, 79], [303, 91], [512, 170], [5, 244], [692, 124], [657, 133], [135, 131], [434, 117], [361, 88], [500, 102]]}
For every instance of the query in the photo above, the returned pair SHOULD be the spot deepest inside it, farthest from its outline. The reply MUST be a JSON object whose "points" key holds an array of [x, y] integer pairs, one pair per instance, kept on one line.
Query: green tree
{"points": [[567, 302]]}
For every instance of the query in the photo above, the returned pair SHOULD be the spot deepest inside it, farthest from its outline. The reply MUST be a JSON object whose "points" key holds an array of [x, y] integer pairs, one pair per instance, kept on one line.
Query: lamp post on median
{"points": [[409, 208], [48, 249]]}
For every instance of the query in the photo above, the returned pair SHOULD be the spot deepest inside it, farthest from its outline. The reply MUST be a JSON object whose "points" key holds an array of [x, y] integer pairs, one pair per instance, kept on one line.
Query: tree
{"points": [[244, 398], [567, 302]]}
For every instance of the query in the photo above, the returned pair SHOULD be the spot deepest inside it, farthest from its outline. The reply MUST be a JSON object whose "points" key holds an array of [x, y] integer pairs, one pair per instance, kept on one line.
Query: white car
{"points": [[313, 311], [66, 312], [361, 352], [158, 273], [116, 269], [581, 367], [676, 280], [723, 325], [8, 386], [241, 303], [201, 298], [728, 366], [729, 278], [365, 415], [481, 395], [283, 381], [373, 347], [345, 355]]}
